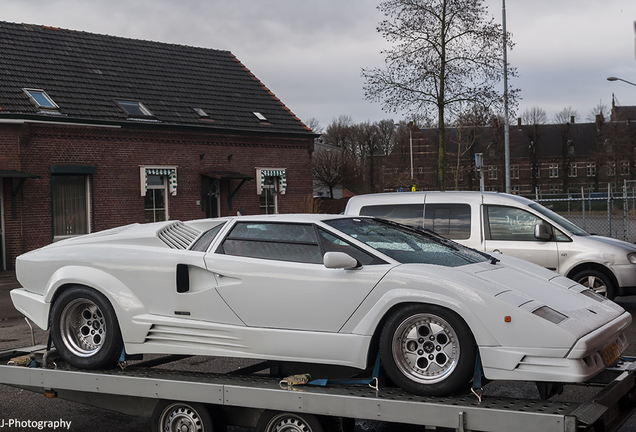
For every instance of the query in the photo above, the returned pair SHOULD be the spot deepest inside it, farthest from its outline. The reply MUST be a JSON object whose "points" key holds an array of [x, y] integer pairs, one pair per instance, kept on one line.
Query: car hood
{"points": [[620, 245], [530, 287]]}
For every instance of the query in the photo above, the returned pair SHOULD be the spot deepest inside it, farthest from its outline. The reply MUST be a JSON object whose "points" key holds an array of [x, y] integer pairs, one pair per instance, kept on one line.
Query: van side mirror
{"points": [[541, 232], [340, 260]]}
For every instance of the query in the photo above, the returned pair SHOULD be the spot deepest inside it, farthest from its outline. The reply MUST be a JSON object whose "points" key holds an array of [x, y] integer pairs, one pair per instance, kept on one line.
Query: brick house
{"points": [[544, 159], [99, 131]]}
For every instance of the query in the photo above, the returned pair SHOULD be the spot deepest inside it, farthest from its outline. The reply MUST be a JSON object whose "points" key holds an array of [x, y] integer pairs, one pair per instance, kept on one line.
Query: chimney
{"points": [[519, 123], [572, 119], [599, 121]]}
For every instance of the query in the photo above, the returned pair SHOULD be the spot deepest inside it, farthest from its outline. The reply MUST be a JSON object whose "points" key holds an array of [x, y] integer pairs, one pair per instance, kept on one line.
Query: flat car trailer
{"points": [[195, 401]]}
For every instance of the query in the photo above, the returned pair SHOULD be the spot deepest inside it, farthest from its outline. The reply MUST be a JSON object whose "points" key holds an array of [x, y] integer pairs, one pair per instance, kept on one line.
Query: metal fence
{"points": [[611, 214]]}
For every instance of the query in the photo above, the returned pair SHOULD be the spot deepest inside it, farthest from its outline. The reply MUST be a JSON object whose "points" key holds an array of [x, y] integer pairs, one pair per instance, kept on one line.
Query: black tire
{"points": [[174, 416], [427, 350], [597, 281], [272, 421], [85, 330]]}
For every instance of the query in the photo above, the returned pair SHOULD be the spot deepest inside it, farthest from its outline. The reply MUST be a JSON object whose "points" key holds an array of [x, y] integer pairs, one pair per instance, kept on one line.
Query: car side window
{"points": [[513, 224], [205, 240], [273, 241], [331, 243], [406, 214], [448, 220]]}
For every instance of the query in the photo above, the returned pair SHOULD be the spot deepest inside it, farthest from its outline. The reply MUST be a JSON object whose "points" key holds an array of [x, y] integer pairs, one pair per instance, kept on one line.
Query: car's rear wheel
{"points": [[427, 350], [275, 421], [597, 281], [85, 330]]}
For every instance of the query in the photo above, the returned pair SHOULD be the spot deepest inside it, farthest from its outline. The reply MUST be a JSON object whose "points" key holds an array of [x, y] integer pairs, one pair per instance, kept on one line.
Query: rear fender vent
{"points": [[178, 235]]}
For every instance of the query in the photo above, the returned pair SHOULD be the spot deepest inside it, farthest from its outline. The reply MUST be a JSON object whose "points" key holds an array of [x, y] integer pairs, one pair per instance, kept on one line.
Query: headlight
{"points": [[632, 257]]}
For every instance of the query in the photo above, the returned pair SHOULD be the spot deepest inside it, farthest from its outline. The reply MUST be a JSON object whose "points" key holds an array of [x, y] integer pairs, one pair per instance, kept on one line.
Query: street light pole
{"points": [[506, 121], [620, 79]]}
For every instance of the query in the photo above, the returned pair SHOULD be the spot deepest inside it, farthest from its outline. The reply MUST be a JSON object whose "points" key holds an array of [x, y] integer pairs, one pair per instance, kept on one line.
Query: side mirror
{"points": [[541, 232], [340, 260]]}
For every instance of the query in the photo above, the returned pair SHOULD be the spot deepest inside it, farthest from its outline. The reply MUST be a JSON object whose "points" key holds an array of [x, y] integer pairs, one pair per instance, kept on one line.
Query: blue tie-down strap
{"points": [[476, 388], [373, 381]]}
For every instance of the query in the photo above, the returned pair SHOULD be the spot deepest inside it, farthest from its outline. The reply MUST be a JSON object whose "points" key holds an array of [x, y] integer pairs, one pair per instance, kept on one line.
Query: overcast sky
{"points": [[309, 53]]}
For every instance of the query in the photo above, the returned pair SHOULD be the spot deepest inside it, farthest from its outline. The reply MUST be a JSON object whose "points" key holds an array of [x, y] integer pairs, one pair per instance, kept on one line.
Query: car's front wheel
{"points": [[85, 330], [427, 350]]}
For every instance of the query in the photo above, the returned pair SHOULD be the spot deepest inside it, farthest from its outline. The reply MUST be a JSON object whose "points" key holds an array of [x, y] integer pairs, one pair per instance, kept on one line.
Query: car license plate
{"points": [[610, 354]]}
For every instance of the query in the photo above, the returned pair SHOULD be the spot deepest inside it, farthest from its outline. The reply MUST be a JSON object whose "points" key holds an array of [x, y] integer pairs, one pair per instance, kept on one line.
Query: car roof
{"points": [[359, 201], [290, 217]]}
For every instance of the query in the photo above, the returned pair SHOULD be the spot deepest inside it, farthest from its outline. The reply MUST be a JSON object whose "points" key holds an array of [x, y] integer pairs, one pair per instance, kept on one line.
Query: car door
{"points": [[271, 275], [510, 231]]}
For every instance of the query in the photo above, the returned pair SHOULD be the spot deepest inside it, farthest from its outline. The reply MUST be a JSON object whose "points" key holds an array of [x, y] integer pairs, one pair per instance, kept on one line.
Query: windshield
{"points": [[405, 244], [563, 222]]}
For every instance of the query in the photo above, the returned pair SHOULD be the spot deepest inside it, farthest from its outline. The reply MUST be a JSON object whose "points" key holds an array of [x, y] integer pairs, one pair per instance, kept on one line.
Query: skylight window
{"points": [[41, 99], [260, 116], [134, 108], [201, 112]]}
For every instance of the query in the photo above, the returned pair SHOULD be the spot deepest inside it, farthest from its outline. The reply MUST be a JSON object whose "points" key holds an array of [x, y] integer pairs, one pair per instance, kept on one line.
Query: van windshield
{"points": [[560, 220]]}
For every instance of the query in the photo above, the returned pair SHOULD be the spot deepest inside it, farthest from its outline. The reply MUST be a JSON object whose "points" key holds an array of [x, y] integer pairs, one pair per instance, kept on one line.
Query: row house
{"points": [[99, 131], [544, 159]]}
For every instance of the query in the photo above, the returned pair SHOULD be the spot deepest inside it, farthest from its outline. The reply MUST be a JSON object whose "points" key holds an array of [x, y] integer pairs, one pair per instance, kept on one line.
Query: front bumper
{"points": [[582, 362], [31, 305]]}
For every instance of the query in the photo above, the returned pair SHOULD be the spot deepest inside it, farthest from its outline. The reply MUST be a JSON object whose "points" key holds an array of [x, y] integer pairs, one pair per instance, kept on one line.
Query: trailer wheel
{"points": [[427, 350], [276, 421], [85, 330], [172, 416]]}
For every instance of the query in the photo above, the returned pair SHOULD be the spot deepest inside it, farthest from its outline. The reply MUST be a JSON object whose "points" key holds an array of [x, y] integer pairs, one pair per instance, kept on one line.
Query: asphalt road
{"points": [[22, 405]]}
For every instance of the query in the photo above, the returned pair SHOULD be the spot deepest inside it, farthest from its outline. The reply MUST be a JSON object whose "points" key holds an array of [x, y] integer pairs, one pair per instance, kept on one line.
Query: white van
{"points": [[510, 224]]}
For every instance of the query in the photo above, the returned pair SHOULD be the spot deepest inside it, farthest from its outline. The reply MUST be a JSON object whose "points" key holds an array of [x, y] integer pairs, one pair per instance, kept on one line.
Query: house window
{"points": [[624, 168], [41, 99], [70, 198], [270, 183], [157, 183], [572, 169], [610, 168], [492, 173], [554, 189], [591, 169], [515, 190], [268, 195], [134, 108], [420, 169], [155, 202], [553, 170], [514, 172]]}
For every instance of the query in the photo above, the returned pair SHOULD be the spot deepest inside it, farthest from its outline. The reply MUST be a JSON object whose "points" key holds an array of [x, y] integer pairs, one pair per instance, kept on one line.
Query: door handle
{"points": [[497, 251]]}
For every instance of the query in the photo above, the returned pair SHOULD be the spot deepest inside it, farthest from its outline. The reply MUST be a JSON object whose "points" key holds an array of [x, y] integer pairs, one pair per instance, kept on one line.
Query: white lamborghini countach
{"points": [[319, 289]]}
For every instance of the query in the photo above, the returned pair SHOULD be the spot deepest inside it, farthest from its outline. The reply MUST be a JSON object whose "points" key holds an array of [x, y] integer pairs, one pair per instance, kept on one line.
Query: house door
{"points": [[212, 199]]}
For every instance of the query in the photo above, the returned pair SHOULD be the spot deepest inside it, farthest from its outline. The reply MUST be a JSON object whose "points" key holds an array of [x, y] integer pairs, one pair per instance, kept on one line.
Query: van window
{"points": [[448, 220], [406, 214], [509, 223]]}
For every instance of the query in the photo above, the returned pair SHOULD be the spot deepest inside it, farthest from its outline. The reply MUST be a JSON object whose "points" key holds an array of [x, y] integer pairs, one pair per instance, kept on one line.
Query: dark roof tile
{"points": [[85, 73]]}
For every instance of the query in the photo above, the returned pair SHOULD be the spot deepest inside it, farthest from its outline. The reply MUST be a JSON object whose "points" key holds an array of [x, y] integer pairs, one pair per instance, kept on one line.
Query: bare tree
{"points": [[341, 133], [386, 131], [445, 52], [566, 115], [313, 124], [534, 116], [329, 167], [600, 109]]}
